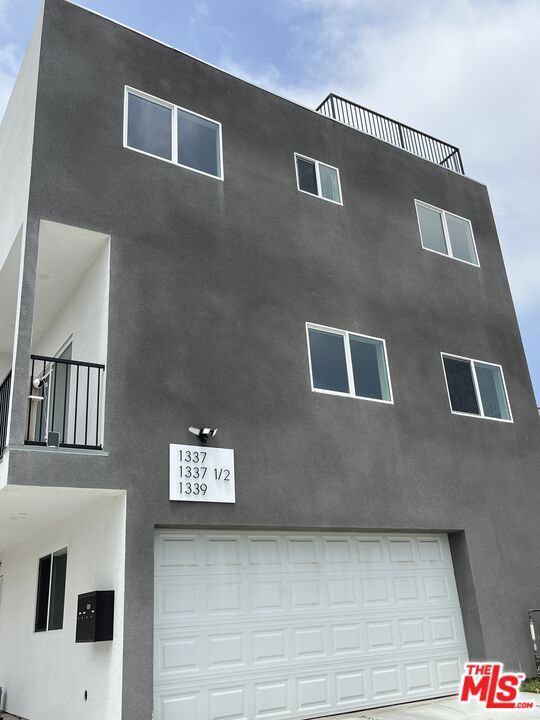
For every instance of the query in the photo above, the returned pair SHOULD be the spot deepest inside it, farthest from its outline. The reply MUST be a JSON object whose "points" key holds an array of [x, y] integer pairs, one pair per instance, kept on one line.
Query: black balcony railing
{"points": [[5, 389], [65, 403], [392, 131]]}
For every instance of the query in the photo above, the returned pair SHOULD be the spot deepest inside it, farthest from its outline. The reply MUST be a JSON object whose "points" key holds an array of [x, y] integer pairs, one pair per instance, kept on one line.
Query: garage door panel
{"points": [[264, 625], [275, 694], [219, 595], [300, 552]]}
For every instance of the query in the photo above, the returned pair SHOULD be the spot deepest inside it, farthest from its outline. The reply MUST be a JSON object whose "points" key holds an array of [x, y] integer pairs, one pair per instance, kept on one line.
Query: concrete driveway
{"points": [[445, 709]]}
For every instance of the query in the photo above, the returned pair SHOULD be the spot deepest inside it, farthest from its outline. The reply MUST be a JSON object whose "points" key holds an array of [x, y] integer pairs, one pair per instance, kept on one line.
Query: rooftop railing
{"points": [[393, 132]]}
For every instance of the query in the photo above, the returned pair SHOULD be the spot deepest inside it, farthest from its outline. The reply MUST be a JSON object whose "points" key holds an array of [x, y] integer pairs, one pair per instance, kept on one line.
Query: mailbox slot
{"points": [[95, 616]]}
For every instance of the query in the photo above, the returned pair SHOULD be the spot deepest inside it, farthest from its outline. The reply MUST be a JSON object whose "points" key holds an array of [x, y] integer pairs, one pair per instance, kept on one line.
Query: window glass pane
{"points": [[42, 601], [149, 127], [369, 368], [328, 364], [58, 587], [431, 228], [461, 239], [198, 143], [492, 392], [461, 386], [307, 179], [329, 183]]}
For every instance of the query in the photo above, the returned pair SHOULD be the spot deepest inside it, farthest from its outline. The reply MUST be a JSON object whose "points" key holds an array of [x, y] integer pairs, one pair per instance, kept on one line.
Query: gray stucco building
{"points": [[181, 248]]}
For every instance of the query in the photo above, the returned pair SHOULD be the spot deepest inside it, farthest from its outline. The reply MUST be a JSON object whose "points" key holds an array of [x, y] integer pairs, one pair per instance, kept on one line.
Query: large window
{"points": [[51, 591], [476, 388], [316, 178], [445, 233], [166, 131], [345, 363]]}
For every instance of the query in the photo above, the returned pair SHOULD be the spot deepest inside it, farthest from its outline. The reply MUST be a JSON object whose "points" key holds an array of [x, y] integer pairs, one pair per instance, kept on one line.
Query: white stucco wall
{"points": [[45, 675], [5, 365], [84, 317], [16, 140]]}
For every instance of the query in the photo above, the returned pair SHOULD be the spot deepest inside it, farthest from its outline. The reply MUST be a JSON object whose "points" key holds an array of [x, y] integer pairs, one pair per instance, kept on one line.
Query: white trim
{"points": [[174, 131], [270, 92], [449, 251], [348, 361], [317, 178], [481, 413]]}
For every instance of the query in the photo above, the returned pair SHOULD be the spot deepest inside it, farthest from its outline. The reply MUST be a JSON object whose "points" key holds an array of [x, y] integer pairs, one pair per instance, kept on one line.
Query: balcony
{"points": [[392, 131], [5, 389], [65, 403]]}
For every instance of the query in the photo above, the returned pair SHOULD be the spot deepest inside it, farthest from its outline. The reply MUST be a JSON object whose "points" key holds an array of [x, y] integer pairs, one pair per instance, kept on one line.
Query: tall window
{"points": [[166, 131], [445, 233], [316, 178], [345, 363], [476, 388], [51, 591]]}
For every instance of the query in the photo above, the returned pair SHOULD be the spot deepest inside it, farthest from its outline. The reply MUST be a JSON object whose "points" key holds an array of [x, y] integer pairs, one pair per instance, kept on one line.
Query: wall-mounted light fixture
{"points": [[204, 434]]}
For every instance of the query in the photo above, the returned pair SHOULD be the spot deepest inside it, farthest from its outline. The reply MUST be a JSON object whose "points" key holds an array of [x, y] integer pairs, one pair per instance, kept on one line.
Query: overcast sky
{"points": [[467, 71]]}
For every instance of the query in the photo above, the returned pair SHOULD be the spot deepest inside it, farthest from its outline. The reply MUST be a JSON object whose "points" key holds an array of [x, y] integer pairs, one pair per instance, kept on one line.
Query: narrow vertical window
{"points": [[51, 591], [476, 388], [445, 233], [42, 602], [317, 178], [58, 589]]}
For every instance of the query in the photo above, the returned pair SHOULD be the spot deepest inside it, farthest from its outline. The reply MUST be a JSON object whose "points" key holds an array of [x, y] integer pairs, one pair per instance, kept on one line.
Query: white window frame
{"points": [[447, 241], [481, 414], [50, 554], [348, 361], [174, 131], [317, 163]]}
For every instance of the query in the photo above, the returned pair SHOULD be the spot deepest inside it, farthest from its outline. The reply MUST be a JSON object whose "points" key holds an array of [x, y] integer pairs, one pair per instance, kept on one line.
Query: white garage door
{"points": [[261, 625]]}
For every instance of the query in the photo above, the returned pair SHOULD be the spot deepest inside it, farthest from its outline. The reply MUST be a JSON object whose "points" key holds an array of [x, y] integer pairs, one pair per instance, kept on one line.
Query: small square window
{"points": [[51, 591], [445, 233], [348, 364], [328, 361], [369, 368], [198, 143], [149, 127], [431, 226], [461, 239], [316, 178], [476, 388], [307, 176]]}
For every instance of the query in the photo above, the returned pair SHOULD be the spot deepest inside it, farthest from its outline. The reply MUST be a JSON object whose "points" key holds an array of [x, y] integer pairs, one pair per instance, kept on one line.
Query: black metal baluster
{"points": [[97, 409], [87, 403], [76, 406], [30, 401]]}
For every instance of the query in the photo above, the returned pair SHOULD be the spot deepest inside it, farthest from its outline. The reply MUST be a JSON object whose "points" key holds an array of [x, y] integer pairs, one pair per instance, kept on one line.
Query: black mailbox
{"points": [[95, 613]]}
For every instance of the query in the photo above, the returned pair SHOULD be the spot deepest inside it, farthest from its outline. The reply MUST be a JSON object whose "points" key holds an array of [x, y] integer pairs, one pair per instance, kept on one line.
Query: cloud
{"points": [[9, 65], [465, 71]]}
